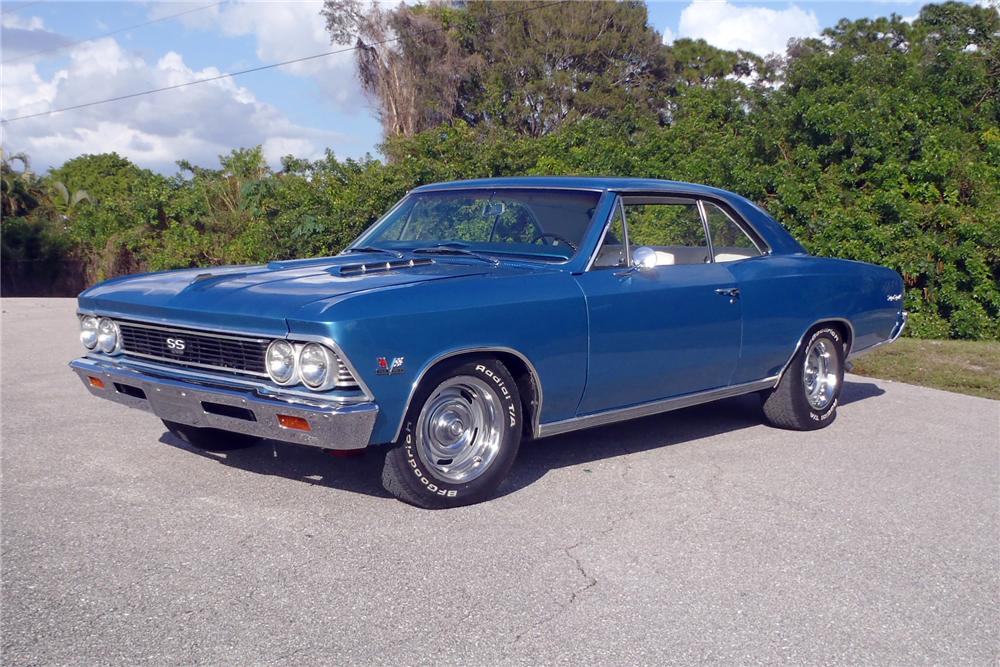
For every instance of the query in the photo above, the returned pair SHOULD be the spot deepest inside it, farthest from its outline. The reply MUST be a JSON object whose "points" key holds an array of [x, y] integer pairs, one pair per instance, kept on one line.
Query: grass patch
{"points": [[965, 367]]}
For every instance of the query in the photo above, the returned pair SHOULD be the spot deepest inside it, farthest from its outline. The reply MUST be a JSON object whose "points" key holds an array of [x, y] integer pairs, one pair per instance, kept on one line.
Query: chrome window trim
{"points": [[651, 408], [363, 238], [607, 225], [760, 252], [722, 204], [705, 230], [535, 378]]}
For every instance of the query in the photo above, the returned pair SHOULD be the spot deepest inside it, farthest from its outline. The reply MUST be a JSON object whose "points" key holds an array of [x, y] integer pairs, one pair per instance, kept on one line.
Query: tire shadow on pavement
{"points": [[362, 472]]}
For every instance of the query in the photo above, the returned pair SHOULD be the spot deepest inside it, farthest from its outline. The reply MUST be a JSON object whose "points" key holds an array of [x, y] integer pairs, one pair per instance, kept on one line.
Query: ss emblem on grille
{"points": [[175, 345]]}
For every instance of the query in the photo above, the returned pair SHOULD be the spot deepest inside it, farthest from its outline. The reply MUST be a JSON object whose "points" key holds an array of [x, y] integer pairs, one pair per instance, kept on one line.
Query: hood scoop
{"points": [[381, 267]]}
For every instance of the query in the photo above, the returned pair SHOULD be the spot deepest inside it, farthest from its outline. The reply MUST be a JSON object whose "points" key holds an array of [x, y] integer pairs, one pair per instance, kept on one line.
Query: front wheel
{"points": [[460, 437], [210, 439], [806, 397]]}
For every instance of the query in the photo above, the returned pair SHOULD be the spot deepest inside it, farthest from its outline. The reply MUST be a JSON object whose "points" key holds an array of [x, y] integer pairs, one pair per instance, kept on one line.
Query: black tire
{"points": [[210, 439], [787, 405], [411, 477]]}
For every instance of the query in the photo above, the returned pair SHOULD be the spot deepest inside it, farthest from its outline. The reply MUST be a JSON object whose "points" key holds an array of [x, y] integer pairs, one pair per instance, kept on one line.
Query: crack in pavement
{"points": [[591, 580]]}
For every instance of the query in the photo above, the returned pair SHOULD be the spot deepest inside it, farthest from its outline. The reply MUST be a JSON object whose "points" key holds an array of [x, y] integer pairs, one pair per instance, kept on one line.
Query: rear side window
{"points": [[729, 241]]}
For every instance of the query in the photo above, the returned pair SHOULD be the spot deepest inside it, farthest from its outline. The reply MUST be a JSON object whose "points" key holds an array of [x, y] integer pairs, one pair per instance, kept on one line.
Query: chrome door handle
{"points": [[731, 292]]}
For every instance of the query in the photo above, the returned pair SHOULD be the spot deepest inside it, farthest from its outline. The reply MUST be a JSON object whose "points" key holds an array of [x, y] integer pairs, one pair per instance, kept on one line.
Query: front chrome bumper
{"points": [[339, 426]]}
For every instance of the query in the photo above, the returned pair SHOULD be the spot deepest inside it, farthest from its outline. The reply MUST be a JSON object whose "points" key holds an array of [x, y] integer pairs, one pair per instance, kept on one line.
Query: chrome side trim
{"points": [[897, 331], [471, 350], [331, 427], [652, 408], [802, 340]]}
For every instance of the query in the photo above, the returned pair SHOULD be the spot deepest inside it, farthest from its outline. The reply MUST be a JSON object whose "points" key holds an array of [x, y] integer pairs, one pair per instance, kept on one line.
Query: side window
{"points": [[672, 228], [612, 254], [729, 241]]}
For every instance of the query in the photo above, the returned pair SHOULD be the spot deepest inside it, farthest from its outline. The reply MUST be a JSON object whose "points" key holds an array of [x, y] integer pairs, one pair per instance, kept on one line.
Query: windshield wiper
{"points": [[454, 249], [371, 248]]}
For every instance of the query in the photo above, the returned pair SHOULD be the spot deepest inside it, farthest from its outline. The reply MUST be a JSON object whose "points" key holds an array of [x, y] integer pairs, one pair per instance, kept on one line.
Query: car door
{"points": [[664, 331]]}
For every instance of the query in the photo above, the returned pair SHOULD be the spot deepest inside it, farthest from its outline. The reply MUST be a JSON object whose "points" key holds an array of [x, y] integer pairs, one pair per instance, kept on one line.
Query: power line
{"points": [[113, 32], [260, 68], [21, 6]]}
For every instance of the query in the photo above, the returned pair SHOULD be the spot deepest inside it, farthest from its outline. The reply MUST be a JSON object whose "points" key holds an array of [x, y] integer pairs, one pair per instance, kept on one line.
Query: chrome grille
{"points": [[196, 348]]}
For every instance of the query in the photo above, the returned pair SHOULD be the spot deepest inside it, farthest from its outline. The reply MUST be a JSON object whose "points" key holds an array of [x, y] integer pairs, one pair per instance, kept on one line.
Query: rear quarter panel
{"points": [[783, 296], [540, 314]]}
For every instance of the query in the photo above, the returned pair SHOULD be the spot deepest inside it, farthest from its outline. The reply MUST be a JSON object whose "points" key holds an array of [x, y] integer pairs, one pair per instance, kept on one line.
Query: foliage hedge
{"points": [[879, 141]]}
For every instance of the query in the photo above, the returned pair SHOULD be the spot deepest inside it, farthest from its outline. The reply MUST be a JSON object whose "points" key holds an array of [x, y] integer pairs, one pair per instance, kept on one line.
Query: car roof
{"points": [[579, 183], [776, 236]]}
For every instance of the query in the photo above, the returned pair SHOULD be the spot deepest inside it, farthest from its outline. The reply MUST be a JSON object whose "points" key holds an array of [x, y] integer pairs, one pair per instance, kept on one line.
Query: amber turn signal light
{"points": [[97, 383], [297, 423]]}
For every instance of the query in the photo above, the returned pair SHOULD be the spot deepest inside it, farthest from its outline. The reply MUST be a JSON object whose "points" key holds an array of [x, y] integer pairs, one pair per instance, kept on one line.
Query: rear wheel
{"points": [[211, 439], [459, 439], [806, 397]]}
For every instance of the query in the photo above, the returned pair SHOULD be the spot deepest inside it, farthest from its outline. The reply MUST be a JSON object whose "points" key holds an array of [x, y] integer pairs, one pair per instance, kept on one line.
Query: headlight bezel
{"points": [[330, 358], [84, 330], [293, 377], [102, 336]]}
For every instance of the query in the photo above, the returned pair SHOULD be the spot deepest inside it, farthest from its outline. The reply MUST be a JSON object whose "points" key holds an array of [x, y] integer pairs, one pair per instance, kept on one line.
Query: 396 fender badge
{"points": [[386, 367]]}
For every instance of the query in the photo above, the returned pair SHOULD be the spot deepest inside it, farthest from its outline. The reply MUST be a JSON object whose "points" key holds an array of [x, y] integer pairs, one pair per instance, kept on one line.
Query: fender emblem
{"points": [[894, 297], [386, 367]]}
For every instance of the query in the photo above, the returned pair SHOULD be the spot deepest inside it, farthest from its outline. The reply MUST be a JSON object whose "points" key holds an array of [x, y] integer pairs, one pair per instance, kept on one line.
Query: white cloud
{"points": [[284, 31], [196, 123], [668, 36], [759, 29]]}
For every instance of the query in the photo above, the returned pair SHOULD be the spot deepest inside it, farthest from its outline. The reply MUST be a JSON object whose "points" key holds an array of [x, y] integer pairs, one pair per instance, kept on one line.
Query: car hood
{"points": [[260, 298]]}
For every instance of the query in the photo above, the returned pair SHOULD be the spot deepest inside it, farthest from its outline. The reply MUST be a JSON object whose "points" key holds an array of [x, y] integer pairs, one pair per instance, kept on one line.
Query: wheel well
{"points": [[843, 328], [522, 373]]}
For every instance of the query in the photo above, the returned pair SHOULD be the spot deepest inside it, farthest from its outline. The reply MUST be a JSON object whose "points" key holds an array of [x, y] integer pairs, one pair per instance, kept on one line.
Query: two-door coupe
{"points": [[478, 313]]}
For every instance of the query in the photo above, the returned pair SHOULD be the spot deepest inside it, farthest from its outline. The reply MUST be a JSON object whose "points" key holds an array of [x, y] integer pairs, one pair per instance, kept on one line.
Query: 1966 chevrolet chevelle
{"points": [[478, 313]]}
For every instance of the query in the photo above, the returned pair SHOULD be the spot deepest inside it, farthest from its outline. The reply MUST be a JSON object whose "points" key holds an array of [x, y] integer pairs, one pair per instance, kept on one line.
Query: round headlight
{"points": [[315, 365], [281, 362], [88, 331], [107, 335]]}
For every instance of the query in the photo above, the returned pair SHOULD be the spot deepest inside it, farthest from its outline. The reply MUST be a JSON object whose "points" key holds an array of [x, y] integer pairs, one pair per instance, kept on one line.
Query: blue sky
{"points": [[302, 109]]}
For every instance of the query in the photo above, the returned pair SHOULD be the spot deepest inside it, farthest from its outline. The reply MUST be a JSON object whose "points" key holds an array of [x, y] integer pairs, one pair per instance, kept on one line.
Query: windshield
{"points": [[545, 225]]}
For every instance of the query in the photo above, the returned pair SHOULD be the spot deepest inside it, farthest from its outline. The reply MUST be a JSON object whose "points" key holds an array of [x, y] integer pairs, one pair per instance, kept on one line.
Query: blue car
{"points": [[476, 314]]}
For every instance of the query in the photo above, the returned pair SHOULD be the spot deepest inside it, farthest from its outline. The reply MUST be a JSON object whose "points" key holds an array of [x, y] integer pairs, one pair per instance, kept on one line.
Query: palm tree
{"points": [[66, 202], [20, 191]]}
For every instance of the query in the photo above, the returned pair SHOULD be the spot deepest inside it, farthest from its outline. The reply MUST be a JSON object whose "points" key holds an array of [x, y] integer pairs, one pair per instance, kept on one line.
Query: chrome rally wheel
{"points": [[807, 394], [460, 427], [460, 436], [821, 374]]}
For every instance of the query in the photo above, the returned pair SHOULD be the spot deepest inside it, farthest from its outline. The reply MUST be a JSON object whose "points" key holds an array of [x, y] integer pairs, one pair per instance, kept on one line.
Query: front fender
{"points": [[540, 316]]}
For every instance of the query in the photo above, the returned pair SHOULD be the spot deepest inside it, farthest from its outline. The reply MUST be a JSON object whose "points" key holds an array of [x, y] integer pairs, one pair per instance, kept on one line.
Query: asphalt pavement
{"points": [[697, 536]]}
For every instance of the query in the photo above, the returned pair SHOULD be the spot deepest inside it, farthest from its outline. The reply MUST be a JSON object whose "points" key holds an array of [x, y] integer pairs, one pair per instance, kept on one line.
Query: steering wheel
{"points": [[555, 237]]}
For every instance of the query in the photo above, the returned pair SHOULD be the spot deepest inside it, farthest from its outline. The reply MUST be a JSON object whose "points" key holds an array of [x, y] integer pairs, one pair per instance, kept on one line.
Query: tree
{"points": [[408, 65]]}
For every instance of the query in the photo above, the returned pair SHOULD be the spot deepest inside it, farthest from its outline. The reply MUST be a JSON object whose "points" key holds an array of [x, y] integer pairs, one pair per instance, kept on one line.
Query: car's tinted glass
{"points": [[613, 252], [729, 241], [672, 228], [547, 223]]}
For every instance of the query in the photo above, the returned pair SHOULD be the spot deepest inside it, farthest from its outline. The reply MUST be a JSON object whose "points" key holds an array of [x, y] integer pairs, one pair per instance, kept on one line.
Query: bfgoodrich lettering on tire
{"points": [[806, 397], [459, 439]]}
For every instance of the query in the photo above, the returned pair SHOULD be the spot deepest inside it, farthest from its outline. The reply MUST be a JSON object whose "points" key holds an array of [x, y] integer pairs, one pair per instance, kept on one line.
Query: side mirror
{"points": [[644, 258]]}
